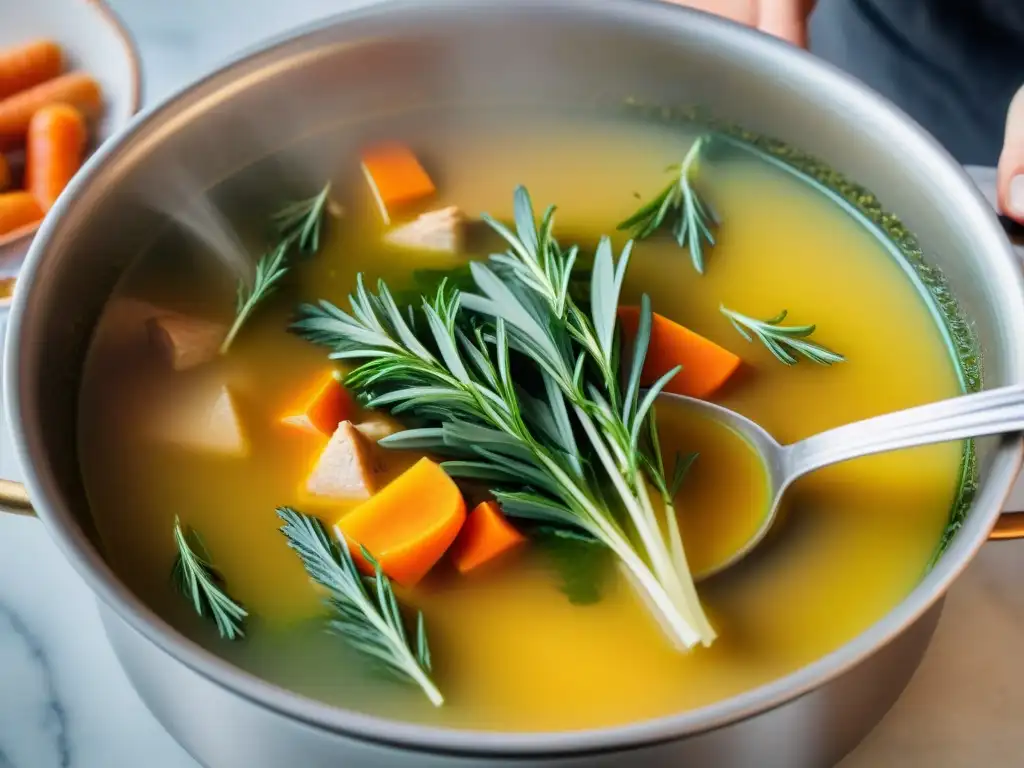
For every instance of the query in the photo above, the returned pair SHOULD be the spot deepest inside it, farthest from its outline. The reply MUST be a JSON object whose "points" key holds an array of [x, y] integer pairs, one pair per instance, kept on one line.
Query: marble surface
{"points": [[65, 703]]}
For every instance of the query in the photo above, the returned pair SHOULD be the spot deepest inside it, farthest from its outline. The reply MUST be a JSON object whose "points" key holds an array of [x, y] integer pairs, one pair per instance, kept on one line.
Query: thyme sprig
{"points": [[680, 207], [364, 610], [195, 577], [783, 341], [298, 226], [567, 453]]}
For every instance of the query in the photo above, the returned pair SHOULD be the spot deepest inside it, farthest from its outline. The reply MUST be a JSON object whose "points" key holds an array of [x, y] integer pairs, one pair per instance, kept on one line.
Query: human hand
{"points": [[786, 19], [1010, 176]]}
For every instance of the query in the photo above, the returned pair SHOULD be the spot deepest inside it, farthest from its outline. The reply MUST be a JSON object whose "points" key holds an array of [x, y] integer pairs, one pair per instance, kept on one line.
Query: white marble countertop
{"points": [[64, 702]]}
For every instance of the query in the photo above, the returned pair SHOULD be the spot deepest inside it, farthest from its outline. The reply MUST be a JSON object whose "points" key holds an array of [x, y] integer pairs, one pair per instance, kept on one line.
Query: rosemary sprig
{"points": [[782, 340], [680, 207], [621, 418], [301, 222], [457, 379], [365, 610], [298, 225], [196, 578]]}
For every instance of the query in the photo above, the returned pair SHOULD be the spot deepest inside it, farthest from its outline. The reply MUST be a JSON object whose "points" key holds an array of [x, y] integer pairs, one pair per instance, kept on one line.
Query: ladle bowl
{"points": [[992, 412]]}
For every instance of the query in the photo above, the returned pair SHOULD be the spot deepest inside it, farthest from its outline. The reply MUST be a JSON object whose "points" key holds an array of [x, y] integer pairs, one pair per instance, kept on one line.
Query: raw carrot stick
{"points": [[396, 177], [17, 210], [5, 173], [56, 144], [409, 524], [26, 65], [77, 89], [706, 366], [324, 408], [486, 535]]}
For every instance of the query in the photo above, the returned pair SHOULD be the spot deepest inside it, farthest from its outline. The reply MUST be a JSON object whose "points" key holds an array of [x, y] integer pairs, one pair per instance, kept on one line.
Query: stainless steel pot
{"points": [[383, 58]]}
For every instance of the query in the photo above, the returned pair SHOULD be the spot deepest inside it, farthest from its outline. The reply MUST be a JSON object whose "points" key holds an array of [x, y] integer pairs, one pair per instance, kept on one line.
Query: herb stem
{"points": [[665, 564], [647, 535], [410, 664]]}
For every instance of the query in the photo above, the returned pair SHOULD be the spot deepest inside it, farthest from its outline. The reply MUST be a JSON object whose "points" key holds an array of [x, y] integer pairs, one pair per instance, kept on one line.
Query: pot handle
{"points": [[14, 498]]}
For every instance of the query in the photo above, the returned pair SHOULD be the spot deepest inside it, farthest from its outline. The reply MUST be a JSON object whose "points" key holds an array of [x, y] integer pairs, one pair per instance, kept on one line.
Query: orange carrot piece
{"points": [[396, 177], [486, 535], [17, 210], [56, 145], [324, 409], [77, 89], [5, 173], [706, 366], [408, 525], [29, 64]]}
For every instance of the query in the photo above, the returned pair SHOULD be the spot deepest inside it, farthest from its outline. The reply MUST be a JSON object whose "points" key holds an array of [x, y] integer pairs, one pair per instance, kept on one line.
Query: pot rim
{"points": [[782, 59]]}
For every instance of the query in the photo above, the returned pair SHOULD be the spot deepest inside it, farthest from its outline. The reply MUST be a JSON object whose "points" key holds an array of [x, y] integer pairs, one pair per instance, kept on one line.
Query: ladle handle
{"points": [[992, 412]]}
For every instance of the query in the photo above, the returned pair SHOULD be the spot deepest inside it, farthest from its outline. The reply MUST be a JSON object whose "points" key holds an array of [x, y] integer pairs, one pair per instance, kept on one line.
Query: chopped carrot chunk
{"points": [[706, 366], [396, 177], [75, 88], [409, 524], [347, 467], [323, 410], [29, 64], [18, 210], [56, 145], [486, 535]]}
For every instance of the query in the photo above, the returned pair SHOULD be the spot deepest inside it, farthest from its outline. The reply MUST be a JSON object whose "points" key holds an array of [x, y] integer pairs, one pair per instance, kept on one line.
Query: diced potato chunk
{"points": [[347, 467], [440, 230], [204, 419], [185, 341]]}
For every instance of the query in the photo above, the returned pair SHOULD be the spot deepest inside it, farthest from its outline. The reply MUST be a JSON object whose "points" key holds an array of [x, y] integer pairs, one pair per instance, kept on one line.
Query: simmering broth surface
{"points": [[510, 651]]}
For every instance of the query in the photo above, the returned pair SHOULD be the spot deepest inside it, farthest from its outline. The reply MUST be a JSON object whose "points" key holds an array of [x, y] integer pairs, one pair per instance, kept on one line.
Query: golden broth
{"points": [[510, 651]]}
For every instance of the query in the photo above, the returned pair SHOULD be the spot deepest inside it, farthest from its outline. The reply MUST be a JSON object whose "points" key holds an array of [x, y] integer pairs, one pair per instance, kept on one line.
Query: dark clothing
{"points": [[952, 65]]}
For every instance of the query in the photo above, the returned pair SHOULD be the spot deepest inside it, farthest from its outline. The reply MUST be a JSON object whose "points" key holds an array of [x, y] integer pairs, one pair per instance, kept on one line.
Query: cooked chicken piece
{"points": [[123, 325], [185, 341], [203, 419], [347, 467], [376, 428], [440, 230]]}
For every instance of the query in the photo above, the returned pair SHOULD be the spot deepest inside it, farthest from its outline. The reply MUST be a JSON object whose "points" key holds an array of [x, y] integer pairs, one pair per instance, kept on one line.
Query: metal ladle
{"points": [[992, 412]]}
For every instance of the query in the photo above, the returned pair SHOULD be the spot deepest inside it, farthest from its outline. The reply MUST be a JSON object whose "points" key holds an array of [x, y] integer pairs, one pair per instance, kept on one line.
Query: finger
{"points": [[742, 11], [1010, 177], [786, 19]]}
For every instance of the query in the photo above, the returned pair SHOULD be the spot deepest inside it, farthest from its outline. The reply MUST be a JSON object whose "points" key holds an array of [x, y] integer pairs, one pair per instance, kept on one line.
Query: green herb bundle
{"points": [[518, 385]]}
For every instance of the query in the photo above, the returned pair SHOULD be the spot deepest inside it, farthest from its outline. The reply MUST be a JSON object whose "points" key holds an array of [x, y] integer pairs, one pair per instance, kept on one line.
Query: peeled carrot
{"points": [[706, 366], [5, 174], [396, 177], [408, 525], [56, 145], [26, 65], [486, 535], [17, 210], [324, 409], [77, 89]]}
